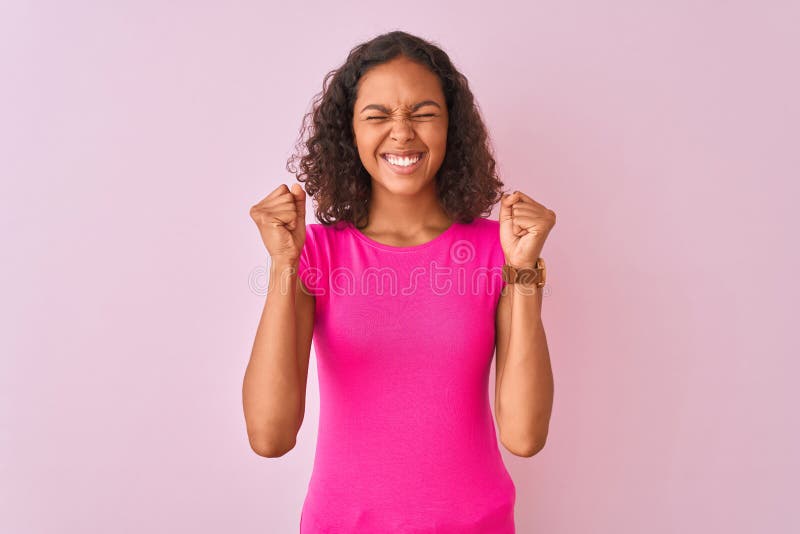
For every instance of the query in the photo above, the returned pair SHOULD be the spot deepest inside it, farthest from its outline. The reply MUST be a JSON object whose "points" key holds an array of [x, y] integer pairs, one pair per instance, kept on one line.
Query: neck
{"points": [[406, 214]]}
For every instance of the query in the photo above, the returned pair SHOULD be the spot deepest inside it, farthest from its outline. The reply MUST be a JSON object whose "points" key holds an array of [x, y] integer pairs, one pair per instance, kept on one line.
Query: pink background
{"points": [[136, 135]]}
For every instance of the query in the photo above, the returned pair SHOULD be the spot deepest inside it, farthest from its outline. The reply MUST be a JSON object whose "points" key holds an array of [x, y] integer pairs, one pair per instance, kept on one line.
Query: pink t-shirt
{"points": [[404, 339]]}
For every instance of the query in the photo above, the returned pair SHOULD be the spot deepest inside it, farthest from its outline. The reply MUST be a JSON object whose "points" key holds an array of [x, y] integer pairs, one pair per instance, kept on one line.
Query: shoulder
{"points": [[324, 239], [320, 232], [484, 223], [314, 228], [332, 227], [486, 230], [487, 224], [315, 257], [487, 236]]}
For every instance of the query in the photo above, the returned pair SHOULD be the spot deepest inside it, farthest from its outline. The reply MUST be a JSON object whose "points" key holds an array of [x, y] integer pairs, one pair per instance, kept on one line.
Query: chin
{"points": [[401, 187]]}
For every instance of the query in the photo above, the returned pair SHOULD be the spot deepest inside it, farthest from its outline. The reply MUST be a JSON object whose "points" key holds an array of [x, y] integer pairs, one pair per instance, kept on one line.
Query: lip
{"points": [[404, 170]]}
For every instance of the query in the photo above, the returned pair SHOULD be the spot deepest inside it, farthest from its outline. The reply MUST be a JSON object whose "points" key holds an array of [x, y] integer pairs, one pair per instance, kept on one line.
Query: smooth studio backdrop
{"points": [[136, 136]]}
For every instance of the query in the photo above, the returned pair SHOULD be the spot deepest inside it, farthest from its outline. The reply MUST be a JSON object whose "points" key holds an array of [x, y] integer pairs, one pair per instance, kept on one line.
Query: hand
{"points": [[281, 219], [524, 226]]}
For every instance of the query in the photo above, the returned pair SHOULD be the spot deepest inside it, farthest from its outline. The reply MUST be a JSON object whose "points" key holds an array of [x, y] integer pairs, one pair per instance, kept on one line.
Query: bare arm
{"points": [[523, 375], [274, 388]]}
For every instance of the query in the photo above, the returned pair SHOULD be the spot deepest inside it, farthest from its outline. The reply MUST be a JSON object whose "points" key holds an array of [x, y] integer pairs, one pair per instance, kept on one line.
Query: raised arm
{"points": [[274, 388]]}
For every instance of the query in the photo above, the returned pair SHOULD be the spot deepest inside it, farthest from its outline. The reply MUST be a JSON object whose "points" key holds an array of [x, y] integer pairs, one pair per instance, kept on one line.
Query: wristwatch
{"points": [[526, 275]]}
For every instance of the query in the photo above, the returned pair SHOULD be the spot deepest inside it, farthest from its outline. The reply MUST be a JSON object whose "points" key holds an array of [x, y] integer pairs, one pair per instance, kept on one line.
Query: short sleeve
{"points": [[498, 257], [308, 267]]}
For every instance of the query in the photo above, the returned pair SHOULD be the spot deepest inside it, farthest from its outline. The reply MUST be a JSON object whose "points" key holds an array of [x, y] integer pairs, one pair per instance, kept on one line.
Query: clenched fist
{"points": [[524, 226], [281, 219]]}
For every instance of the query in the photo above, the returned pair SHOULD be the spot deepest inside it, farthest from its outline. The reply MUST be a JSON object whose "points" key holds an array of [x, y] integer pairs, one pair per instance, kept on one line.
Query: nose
{"points": [[402, 131]]}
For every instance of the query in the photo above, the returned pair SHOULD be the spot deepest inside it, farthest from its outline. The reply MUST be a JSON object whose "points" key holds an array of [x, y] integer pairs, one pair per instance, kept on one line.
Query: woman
{"points": [[403, 288]]}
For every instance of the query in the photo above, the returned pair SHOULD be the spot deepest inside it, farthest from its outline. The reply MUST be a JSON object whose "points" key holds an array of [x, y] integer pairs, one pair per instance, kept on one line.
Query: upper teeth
{"points": [[403, 162]]}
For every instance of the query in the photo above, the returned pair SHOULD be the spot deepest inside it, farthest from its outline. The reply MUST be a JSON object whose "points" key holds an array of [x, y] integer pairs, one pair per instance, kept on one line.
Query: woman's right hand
{"points": [[281, 220]]}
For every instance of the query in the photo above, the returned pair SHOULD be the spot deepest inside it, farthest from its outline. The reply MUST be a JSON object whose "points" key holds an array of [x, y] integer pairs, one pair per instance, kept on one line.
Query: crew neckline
{"points": [[351, 226]]}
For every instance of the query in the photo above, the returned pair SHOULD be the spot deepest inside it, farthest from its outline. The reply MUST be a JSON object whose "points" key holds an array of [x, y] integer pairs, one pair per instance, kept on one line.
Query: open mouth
{"points": [[404, 165]]}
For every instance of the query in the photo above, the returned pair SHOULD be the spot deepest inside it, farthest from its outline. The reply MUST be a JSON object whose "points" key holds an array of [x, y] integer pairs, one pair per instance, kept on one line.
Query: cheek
{"points": [[438, 145], [438, 136], [365, 144]]}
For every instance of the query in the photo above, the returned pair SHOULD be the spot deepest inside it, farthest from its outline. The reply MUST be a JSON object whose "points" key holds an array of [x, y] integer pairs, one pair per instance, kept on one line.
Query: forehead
{"points": [[399, 83]]}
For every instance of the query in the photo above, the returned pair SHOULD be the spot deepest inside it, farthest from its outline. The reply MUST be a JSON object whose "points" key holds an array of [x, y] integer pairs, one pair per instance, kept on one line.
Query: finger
{"points": [[527, 209], [506, 201], [268, 210], [528, 215], [275, 198], [282, 201], [528, 199], [530, 218], [282, 217], [282, 189], [533, 225]]}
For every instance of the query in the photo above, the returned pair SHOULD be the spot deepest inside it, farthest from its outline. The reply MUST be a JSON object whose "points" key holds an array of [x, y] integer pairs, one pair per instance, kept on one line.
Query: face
{"points": [[400, 109]]}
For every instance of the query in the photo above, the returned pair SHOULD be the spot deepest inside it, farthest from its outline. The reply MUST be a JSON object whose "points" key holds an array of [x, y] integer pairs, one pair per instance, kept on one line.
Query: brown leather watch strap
{"points": [[525, 275]]}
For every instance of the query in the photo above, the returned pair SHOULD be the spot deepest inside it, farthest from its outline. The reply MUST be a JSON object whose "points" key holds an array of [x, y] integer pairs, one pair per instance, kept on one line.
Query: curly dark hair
{"points": [[467, 183]]}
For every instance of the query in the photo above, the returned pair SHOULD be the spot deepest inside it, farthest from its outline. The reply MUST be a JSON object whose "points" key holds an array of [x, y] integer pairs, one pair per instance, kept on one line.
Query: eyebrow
{"points": [[415, 107]]}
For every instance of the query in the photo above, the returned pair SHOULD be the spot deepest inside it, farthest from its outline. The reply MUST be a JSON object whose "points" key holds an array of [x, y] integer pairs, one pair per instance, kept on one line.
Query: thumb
{"points": [[506, 201], [298, 226], [299, 201]]}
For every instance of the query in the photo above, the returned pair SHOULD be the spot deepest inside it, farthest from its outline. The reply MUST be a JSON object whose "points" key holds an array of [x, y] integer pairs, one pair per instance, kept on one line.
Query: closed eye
{"points": [[415, 116]]}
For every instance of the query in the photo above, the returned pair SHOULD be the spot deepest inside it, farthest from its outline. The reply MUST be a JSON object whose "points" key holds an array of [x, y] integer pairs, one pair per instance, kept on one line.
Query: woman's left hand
{"points": [[524, 226]]}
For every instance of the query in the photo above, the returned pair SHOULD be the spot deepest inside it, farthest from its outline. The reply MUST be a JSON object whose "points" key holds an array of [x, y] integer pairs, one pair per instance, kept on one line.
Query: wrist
{"points": [[283, 262], [523, 265]]}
